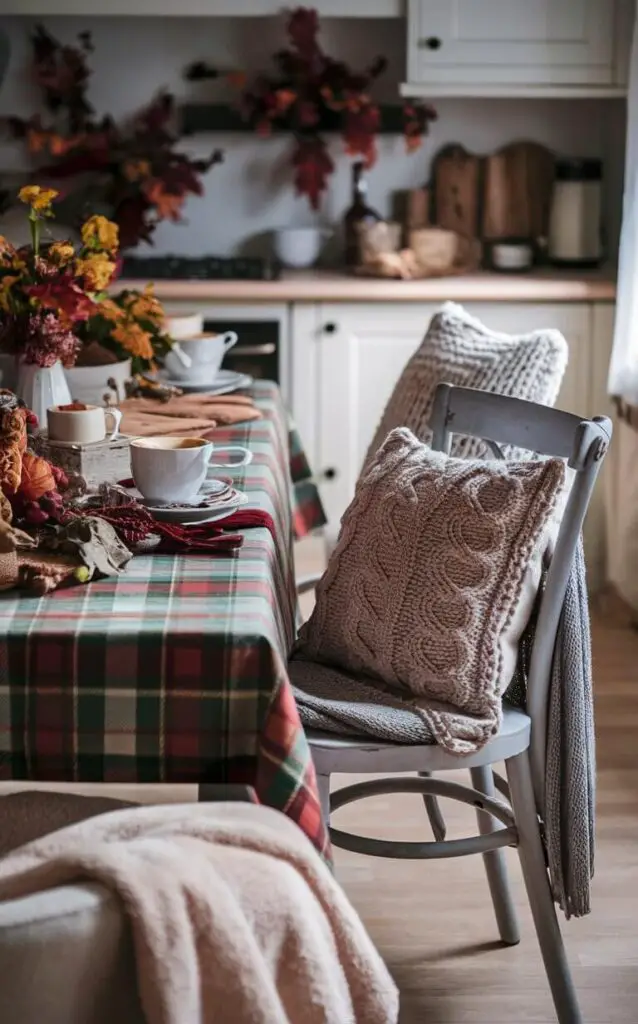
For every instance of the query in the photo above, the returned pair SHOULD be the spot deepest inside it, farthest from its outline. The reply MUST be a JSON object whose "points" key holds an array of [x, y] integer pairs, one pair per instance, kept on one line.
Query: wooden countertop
{"points": [[330, 286]]}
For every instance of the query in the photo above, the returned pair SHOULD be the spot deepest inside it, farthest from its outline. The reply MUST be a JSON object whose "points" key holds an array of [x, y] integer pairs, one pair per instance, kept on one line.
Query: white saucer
{"points": [[223, 383], [191, 514]]}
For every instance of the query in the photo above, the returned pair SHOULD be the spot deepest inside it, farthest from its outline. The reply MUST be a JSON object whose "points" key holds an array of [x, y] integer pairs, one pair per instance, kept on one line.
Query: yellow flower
{"points": [[100, 233], [134, 339], [97, 270], [39, 199], [61, 253], [5, 292]]}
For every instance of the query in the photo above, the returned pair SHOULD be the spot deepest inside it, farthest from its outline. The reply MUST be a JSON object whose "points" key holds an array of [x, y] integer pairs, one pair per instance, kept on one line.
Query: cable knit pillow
{"points": [[459, 349], [424, 586]]}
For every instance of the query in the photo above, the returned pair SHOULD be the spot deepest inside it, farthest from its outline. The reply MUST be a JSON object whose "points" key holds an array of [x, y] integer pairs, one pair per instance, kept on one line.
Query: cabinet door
{"points": [[362, 350], [533, 42]]}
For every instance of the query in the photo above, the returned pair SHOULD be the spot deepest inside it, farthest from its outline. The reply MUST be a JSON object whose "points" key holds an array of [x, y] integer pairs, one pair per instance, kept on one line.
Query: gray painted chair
{"points": [[521, 742]]}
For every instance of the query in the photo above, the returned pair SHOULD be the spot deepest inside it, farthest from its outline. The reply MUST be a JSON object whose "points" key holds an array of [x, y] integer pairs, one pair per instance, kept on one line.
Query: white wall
{"points": [[250, 193]]}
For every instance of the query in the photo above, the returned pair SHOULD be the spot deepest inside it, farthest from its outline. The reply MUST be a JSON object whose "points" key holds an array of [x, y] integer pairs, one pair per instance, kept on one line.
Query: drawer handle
{"points": [[330, 328], [267, 349], [431, 43], [330, 473]]}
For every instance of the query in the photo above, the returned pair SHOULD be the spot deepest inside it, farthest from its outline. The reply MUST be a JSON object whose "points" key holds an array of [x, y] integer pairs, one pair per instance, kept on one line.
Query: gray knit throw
{"points": [[331, 700]]}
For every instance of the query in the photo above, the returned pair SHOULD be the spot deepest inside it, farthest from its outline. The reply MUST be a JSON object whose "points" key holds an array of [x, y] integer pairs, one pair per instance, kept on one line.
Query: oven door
{"points": [[257, 351]]}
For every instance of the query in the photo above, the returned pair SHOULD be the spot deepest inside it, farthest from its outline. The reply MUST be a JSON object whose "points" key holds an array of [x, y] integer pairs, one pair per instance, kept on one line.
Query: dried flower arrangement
{"points": [[134, 170], [129, 325], [29, 485], [308, 90], [47, 291]]}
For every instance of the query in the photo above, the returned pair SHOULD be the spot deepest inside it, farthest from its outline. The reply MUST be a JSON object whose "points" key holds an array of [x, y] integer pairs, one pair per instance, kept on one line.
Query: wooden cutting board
{"points": [[456, 180], [517, 192]]}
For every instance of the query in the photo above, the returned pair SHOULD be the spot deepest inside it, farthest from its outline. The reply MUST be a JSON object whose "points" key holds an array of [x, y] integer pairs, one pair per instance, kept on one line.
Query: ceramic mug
{"points": [[174, 468], [205, 353], [82, 424]]}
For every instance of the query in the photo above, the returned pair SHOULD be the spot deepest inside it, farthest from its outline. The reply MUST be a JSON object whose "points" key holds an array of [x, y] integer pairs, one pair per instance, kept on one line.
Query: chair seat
{"points": [[358, 754]]}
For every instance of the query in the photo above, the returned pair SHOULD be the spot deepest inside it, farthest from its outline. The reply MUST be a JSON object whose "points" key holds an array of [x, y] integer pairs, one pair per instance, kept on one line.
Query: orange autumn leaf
{"points": [[284, 98], [37, 477], [166, 203]]}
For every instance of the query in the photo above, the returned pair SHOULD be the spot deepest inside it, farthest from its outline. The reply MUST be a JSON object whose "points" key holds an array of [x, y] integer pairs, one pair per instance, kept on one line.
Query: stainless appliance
{"points": [[575, 238]]}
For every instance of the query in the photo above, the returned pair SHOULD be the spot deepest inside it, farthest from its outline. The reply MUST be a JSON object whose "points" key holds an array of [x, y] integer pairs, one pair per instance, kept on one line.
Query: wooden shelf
{"points": [[219, 117]]}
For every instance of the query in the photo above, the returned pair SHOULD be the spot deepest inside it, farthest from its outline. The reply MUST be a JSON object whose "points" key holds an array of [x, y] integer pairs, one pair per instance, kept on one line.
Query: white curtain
{"points": [[623, 370], [621, 471]]}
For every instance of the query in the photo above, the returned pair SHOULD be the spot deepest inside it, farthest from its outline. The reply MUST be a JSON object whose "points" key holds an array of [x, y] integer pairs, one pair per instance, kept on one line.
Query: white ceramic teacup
{"points": [[84, 424], [205, 354], [174, 468]]}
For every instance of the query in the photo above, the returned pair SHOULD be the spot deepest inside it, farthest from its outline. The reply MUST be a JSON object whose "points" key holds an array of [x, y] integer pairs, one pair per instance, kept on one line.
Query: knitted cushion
{"points": [[428, 587], [459, 349]]}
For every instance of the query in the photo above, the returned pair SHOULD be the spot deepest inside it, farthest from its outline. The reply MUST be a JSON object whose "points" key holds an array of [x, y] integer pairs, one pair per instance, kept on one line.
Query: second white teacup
{"points": [[205, 354], [82, 424], [173, 469]]}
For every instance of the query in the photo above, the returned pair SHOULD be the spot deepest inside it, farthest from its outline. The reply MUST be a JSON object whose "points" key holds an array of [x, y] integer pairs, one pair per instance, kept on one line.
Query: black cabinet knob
{"points": [[431, 43], [330, 473], [330, 328]]}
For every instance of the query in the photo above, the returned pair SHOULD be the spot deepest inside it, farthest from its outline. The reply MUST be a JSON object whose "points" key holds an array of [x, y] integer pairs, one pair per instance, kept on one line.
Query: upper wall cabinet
{"points": [[200, 8], [518, 47]]}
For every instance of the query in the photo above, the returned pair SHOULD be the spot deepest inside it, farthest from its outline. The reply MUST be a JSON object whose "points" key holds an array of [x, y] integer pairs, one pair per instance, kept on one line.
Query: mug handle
{"points": [[117, 419], [229, 339], [245, 461]]}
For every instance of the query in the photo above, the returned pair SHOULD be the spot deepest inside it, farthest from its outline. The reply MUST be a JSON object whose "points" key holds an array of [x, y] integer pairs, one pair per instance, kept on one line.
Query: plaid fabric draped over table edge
{"points": [[175, 671]]}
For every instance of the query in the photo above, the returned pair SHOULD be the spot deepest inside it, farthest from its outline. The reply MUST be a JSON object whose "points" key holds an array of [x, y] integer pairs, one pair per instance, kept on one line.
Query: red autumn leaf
{"points": [[313, 166], [37, 477], [303, 28], [359, 132]]}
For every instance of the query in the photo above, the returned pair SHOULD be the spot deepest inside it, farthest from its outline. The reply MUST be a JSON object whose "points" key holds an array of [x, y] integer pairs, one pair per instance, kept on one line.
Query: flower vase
{"points": [[41, 387]]}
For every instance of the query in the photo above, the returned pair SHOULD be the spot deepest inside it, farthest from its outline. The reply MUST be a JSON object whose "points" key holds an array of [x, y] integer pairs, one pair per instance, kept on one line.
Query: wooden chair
{"points": [[521, 742]]}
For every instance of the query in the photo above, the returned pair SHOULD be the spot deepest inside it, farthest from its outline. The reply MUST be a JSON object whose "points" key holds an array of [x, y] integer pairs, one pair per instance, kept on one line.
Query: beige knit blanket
{"points": [[235, 918]]}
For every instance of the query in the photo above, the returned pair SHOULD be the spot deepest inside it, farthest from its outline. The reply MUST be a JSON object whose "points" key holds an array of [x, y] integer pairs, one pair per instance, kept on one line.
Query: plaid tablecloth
{"points": [[174, 672]]}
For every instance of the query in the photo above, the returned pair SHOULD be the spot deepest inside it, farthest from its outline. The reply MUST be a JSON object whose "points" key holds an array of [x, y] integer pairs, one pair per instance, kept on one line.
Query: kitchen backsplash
{"points": [[250, 193]]}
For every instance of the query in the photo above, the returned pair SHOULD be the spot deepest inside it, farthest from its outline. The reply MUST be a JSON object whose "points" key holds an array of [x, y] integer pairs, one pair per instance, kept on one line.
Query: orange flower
{"points": [[167, 204], [39, 199], [110, 310], [145, 306], [37, 477], [134, 339], [36, 141], [134, 170], [284, 98]]}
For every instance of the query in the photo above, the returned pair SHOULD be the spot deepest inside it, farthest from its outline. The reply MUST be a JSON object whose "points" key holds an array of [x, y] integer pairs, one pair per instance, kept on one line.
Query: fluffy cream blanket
{"points": [[235, 918]]}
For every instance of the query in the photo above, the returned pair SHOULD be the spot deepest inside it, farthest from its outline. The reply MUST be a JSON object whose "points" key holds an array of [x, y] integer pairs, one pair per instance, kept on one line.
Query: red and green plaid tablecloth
{"points": [[174, 672]]}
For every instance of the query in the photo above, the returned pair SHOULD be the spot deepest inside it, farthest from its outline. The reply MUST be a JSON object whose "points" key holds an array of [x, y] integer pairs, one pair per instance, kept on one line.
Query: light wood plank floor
{"points": [[433, 922]]}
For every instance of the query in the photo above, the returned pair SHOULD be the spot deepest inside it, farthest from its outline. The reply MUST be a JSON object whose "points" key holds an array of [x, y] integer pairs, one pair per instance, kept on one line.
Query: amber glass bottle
{"points": [[358, 213]]}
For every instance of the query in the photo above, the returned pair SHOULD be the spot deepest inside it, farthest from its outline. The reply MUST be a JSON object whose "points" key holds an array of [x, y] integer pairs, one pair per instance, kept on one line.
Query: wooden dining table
{"points": [[175, 670]]}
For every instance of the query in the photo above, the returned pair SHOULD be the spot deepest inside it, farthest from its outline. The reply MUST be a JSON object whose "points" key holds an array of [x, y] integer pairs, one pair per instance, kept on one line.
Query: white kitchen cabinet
{"points": [[199, 8], [518, 47], [347, 358]]}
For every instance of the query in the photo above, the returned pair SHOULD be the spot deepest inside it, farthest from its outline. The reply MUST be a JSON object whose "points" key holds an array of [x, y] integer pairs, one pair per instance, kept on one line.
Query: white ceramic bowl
{"points": [[298, 247]]}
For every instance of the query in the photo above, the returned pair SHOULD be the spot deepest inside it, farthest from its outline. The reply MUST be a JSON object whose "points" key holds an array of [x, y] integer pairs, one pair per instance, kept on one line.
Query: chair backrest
{"points": [[498, 419]]}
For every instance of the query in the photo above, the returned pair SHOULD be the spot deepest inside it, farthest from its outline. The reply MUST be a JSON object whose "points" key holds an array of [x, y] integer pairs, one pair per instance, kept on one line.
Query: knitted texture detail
{"points": [[426, 577], [458, 349]]}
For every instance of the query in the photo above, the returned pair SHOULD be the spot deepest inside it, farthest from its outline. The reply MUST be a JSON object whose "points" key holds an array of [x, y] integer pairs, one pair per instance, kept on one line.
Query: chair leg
{"points": [[323, 784], [532, 858], [495, 866], [434, 813]]}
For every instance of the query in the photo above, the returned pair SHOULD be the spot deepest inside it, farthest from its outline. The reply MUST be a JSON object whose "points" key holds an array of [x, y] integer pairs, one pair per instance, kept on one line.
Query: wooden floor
{"points": [[433, 922]]}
